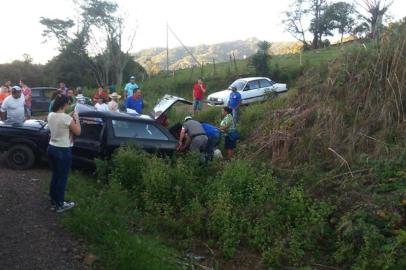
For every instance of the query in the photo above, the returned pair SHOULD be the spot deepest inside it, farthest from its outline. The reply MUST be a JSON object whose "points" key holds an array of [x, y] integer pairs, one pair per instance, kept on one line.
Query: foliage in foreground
{"points": [[345, 211], [239, 204], [104, 217]]}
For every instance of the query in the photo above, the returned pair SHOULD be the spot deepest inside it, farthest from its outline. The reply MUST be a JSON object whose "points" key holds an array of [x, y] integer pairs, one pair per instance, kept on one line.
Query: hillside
{"points": [[179, 58], [318, 181]]}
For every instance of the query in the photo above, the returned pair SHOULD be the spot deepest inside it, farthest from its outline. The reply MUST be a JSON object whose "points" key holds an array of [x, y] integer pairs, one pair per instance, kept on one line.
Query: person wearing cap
{"points": [[113, 103], [13, 107], [194, 130], [234, 103], [130, 88]]}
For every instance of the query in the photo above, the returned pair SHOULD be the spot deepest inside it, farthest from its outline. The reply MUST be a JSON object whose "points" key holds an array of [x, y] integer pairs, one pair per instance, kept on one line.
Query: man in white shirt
{"points": [[13, 108]]}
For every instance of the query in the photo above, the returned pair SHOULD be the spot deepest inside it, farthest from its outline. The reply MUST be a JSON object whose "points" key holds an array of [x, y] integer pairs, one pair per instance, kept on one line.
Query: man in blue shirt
{"points": [[234, 103], [130, 87], [135, 102]]}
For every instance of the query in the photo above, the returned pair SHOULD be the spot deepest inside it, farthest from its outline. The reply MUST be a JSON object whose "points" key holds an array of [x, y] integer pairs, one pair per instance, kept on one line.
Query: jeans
{"points": [[211, 144], [60, 159], [197, 104]]}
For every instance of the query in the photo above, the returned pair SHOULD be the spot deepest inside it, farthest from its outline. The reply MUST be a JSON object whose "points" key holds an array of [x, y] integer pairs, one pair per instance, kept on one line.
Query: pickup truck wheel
{"points": [[20, 157]]}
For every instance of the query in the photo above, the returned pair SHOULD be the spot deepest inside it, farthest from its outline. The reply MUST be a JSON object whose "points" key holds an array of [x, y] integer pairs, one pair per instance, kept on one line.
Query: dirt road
{"points": [[31, 236]]}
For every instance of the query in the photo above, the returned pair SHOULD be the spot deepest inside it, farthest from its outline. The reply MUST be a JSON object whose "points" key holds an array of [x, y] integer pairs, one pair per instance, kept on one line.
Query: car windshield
{"points": [[239, 84]]}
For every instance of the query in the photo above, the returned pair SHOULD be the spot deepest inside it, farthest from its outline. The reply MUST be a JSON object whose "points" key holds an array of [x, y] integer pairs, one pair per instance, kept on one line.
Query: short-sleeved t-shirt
{"points": [[235, 99], [228, 121], [59, 126], [130, 87], [14, 108], [134, 104], [198, 92], [193, 128]]}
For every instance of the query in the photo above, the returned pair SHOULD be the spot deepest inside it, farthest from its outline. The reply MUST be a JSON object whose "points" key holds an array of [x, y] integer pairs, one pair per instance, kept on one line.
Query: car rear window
{"points": [[139, 130], [253, 85], [36, 92]]}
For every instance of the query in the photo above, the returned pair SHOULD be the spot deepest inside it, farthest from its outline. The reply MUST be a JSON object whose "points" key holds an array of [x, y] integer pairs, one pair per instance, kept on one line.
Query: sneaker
{"points": [[65, 206]]}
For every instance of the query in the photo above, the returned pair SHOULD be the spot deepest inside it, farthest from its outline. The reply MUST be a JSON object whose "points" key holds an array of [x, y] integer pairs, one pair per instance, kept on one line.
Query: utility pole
{"points": [[184, 47], [167, 48]]}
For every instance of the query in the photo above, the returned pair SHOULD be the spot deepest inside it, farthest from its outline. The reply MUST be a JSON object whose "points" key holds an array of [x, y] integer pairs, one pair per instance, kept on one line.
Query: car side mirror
{"points": [[246, 88]]}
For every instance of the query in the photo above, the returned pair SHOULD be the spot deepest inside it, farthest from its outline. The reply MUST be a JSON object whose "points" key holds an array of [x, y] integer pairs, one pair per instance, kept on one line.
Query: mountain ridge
{"points": [[154, 59]]}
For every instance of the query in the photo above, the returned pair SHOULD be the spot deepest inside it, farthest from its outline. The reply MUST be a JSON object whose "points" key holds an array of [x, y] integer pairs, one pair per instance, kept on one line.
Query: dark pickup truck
{"points": [[102, 133]]}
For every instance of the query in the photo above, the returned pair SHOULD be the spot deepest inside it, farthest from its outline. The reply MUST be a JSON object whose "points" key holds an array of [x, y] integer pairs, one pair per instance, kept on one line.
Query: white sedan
{"points": [[251, 89]]}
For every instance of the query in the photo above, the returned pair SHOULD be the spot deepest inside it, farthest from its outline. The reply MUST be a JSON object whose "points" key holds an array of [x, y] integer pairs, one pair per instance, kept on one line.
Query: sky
{"points": [[194, 22]]}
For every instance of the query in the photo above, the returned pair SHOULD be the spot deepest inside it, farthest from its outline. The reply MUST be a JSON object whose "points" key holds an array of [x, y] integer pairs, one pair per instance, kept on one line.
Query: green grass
{"points": [[104, 218], [284, 68]]}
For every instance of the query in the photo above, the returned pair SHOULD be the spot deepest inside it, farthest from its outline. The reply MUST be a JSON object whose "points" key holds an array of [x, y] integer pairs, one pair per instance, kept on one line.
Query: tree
{"points": [[57, 28], [320, 22], [293, 21], [342, 14], [373, 12], [101, 37], [313, 11], [103, 15], [261, 58]]}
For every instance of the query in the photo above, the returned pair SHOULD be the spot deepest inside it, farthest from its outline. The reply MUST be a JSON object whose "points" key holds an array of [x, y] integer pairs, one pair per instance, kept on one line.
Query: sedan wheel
{"points": [[20, 157]]}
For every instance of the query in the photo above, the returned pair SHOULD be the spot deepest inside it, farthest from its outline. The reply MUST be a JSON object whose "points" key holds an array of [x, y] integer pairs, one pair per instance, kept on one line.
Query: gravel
{"points": [[32, 236]]}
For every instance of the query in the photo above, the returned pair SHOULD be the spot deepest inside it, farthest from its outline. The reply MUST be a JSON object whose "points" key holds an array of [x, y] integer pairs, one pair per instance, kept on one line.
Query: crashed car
{"points": [[252, 89], [102, 133]]}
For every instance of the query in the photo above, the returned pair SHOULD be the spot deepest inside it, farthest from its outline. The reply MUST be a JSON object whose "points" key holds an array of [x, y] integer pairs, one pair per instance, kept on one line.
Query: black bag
{"points": [[234, 135]]}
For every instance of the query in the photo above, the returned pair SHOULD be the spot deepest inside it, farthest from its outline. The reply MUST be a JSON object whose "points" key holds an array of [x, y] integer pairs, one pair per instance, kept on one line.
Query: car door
{"points": [[146, 135], [251, 92], [266, 88], [88, 145]]}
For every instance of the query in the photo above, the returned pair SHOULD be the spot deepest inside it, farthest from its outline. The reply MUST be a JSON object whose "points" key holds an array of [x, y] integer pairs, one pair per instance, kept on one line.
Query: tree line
{"points": [[94, 50], [322, 18]]}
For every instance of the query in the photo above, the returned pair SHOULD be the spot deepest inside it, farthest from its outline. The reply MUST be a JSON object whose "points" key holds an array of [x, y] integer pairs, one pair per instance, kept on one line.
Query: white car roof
{"points": [[253, 78]]}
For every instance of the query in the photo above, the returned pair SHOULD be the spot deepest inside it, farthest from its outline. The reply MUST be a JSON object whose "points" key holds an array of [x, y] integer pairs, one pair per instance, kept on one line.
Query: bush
{"points": [[104, 217]]}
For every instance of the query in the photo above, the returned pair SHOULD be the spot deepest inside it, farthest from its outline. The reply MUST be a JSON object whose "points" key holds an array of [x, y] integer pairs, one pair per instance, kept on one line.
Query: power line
{"points": [[181, 43]]}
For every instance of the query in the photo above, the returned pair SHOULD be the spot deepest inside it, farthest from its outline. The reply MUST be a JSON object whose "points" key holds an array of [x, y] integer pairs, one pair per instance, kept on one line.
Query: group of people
{"points": [[64, 124], [234, 101], [133, 101], [204, 138], [15, 102], [103, 100]]}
